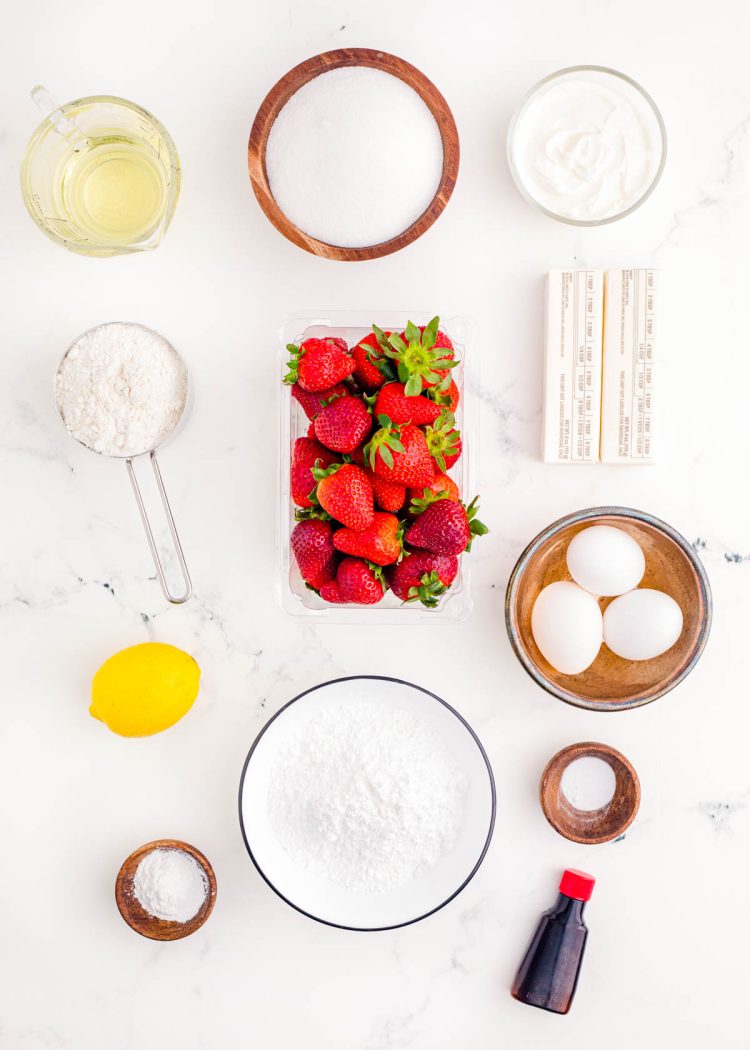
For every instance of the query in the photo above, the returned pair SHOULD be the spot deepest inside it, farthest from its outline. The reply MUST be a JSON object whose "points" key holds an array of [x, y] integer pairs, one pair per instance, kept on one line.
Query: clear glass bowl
{"points": [[352, 325], [533, 94]]}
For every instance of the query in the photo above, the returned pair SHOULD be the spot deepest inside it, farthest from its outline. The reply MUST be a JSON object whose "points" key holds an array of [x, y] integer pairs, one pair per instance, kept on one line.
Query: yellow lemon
{"points": [[144, 689]]}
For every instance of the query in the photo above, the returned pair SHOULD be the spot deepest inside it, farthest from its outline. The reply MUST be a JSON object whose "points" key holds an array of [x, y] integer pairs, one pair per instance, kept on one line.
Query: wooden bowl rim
{"points": [[149, 925], [561, 760], [579, 517], [302, 74]]}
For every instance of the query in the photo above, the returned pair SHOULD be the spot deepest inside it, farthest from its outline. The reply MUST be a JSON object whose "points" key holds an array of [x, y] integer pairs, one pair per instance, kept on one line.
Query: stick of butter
{"points": [[572, 366], [628, 374]]}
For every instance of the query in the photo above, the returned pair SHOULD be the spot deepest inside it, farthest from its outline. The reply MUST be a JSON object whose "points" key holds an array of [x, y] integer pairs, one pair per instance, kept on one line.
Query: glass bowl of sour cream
{"points": [[587, 145]]}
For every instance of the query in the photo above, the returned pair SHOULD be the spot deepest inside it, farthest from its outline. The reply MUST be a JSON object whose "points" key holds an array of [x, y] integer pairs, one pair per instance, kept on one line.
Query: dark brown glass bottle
{"points": [[548, 975]]}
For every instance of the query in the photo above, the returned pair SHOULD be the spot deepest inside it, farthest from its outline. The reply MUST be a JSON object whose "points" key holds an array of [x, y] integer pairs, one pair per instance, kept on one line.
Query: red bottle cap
{"points": [[577, 884]]}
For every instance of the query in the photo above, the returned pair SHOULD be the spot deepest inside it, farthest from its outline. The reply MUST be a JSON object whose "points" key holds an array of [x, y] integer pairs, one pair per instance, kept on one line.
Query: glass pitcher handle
{"points": [[64, 126], [175, 599]]}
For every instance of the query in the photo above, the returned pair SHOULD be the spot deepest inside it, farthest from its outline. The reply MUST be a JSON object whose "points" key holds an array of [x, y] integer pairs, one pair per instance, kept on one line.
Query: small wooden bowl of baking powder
{"points": [[302, 74], [590, 826], [149, 925]]}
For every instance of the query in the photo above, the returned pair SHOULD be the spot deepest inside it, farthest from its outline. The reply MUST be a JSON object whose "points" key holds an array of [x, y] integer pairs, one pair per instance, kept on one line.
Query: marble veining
{"points": [[76, 581]]}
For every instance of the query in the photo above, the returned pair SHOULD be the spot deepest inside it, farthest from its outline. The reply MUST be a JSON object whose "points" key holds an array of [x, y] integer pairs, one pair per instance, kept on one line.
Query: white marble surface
{"points": [[667, 963]]}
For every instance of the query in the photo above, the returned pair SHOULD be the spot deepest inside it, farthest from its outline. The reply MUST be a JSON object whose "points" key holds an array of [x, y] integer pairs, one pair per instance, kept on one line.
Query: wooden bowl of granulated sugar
{"points": [[165, 890], [353, 154]]}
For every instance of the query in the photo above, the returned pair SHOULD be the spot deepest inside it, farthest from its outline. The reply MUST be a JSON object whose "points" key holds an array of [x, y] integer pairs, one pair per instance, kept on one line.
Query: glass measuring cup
{"points": [[100, 175], [129, 457]]}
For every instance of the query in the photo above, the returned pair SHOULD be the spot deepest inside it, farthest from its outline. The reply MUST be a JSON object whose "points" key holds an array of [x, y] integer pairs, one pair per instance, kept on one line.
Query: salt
{"points": [[170, 884], [588, 783], [366, 796], [354, 157]]}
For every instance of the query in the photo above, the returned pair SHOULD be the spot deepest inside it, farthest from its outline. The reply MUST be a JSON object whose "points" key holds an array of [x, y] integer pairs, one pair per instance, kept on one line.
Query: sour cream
{"points": [[587, 145]]}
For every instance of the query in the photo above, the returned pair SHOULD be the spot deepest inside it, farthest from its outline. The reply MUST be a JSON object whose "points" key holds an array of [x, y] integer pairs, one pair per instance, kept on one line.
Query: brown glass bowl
{"points": [[596, 825], [148, 925], [296, 78], [612, 683]]}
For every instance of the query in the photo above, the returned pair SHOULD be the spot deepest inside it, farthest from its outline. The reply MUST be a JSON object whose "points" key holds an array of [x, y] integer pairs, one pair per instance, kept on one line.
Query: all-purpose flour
{"points": [[354, 157], [121, 389], [366, 796]]}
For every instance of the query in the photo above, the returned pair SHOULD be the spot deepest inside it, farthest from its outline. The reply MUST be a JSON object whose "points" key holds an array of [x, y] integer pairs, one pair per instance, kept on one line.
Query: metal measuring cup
{"points": [[175, 599]]}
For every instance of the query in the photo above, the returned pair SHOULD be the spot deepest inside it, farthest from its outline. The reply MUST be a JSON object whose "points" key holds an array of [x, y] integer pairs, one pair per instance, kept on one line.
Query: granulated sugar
{"points": [[121, 389], [366, 796], [354, 157]]}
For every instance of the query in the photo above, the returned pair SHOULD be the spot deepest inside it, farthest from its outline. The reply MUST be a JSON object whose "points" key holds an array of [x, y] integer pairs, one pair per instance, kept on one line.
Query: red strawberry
{"points": [[446, 527], [372, 367], [356, 581], [318, 364], [400, 454], [344, 424], [447, 398], [304, 457], [345, 493], [444, 441], [400, 408], [441, 483], [357, 455], [380, 543], [388, 494], [313, 403], [423, 356], [422, 577], [314, 550]]}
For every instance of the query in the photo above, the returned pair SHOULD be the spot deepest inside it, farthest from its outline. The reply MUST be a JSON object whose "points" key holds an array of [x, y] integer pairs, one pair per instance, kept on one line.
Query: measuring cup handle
{"points": [[176, 599], [55, 114]]}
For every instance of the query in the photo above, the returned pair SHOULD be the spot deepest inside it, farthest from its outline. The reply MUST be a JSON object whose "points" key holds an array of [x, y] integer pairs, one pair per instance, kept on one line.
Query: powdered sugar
{"points": [[366, 796], [170, 884], [121, 389], [354, 157]]}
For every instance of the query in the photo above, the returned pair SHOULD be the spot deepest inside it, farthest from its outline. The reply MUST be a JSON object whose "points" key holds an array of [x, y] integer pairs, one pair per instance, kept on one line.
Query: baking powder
{"points": [[354, 157], [121, 389], [588, 783], [366, 796], [170, 884]]}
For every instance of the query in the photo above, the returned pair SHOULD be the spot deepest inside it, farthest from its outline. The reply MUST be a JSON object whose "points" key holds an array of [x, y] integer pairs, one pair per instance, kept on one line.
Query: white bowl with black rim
{"points": [[329, 901]]}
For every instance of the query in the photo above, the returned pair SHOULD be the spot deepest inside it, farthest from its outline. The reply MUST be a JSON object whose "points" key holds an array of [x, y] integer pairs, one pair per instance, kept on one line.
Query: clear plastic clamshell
{"points": [[295, 597]]}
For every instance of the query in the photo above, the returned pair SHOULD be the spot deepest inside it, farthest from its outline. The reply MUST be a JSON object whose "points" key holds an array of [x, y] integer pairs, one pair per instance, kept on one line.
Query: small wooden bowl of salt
{"points": [[165, 890], [351, 163], [590, 793]]}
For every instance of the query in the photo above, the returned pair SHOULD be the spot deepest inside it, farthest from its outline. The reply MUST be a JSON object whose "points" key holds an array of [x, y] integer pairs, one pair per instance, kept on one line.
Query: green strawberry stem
{"points": [[312, 512], [429, 591], [421, 503], [385, 441], [476, 527], [380, 361], [295, 353], [377, 571], [442, 437], [418, 361]]}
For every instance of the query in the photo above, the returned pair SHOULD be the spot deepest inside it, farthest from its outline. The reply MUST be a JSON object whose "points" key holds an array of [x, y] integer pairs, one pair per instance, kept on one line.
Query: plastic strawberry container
{"points": [[351, 325]]}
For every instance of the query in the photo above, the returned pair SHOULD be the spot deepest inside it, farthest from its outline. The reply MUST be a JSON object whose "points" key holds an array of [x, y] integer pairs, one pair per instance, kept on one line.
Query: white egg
{"points": [[566, 622], [605, 560], [642, 624]]}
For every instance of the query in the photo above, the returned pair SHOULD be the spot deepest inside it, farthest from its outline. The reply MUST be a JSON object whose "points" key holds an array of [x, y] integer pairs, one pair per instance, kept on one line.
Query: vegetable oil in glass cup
{"points": [[100, 176]]}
